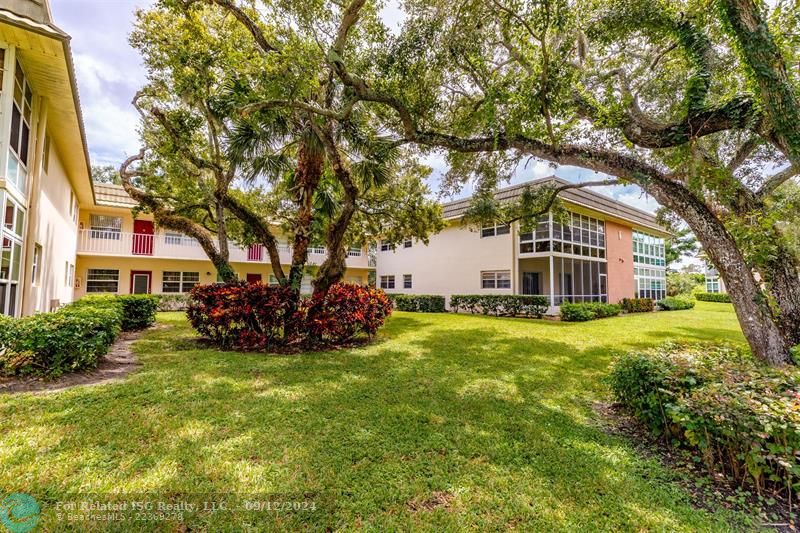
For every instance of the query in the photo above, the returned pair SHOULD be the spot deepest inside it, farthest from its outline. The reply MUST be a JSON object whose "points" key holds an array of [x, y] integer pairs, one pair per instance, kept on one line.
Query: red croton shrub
{"points": [[345, 311], [253, 316]]}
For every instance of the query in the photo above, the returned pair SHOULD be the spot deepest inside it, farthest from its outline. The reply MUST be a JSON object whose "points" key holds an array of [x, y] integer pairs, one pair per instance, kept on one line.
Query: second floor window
{"points": [[386, 246], [491, 231], [19, 137], [106, 227]]}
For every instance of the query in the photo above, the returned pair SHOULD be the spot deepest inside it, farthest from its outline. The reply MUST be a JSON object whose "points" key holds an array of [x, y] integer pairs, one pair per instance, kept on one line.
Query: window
{"points": [[179, 281], [407, 281], [386, 246], [69, 274], [273, 281], [106, 227], [102, 280], [649, 261], [648, 250], [387, 282], [496, 279], [13, 218], [491, 231], [37, 261], [19, 138], [576, 235], [354, 251], [46, 154], [712, 284], [73, 206], [407, 243]]}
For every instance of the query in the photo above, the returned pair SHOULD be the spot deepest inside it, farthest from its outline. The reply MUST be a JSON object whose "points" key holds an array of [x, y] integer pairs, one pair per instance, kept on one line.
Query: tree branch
{"points": [[248, 23]]}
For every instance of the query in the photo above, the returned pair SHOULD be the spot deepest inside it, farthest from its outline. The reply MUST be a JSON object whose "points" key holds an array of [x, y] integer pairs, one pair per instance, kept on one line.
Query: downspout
{"points": [[32, 216]]}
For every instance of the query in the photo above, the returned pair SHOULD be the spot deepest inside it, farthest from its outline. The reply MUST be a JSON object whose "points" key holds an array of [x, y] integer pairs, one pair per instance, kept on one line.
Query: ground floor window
{"points": [[102, 280], [179, 281], [650, 282], [387, 282], [712, 284], [407, 281], [496, 279]]}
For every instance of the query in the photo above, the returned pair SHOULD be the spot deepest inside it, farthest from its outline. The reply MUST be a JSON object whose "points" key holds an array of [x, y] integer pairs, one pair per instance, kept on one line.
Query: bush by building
{"points": [[254, 316], [638, 305], [674, 304], [501, 304], [741, 417], [418, 303], [583, 312], [718, 297]]}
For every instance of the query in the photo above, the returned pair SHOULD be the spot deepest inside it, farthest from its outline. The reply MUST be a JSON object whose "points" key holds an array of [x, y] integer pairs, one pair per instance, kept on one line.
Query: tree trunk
{"points": [[783, 276], [759, 325]]}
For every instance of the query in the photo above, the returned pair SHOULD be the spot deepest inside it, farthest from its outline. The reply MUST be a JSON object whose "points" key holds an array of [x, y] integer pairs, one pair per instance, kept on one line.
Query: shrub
{"points": [[501, 304], [683, 283], [582, 312], [741, 416], [239, 315], [254, 316], [345, 311], [674, 304], [420, 303], [638, 305], [718, 297], [173, 302], [138, 310], [50, 344]]}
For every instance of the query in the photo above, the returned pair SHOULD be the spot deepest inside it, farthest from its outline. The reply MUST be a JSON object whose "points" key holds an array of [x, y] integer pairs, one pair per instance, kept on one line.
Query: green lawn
{"points": [[492, 416]]}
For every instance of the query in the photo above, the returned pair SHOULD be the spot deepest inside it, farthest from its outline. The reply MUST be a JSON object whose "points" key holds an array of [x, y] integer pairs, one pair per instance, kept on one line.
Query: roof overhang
{"points": [[46, 56]]}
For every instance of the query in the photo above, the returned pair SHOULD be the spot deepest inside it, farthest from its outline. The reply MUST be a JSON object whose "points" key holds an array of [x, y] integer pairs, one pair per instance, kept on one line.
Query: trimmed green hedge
{"points": [[418, 303], [501, 304], [138, 310], [583, 312], [718, 297], [742, 417], [674, 304], [50, 344], [72, 338], [638, 305]]}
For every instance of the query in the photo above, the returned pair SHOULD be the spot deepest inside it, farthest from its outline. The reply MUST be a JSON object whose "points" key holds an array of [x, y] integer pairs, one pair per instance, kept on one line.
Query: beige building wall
{"points": [[56, 233], [450, 264]]}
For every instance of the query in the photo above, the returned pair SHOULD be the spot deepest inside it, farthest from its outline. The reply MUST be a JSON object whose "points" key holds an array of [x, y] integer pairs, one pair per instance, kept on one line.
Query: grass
{"points": [[449, 422]]}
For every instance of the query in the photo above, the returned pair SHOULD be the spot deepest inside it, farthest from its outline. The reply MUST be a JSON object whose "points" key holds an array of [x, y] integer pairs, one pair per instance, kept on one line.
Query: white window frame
{"points": [[386, 246], [495, 230], [37, 262], [408, 281], [387, 281], [184, 283], [495, 279], [93, 276], [408, 243]]}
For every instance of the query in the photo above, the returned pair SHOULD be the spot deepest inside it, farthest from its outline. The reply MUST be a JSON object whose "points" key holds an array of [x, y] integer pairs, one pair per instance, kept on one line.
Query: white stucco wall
{"points": [[56, 232], [450, 264]]}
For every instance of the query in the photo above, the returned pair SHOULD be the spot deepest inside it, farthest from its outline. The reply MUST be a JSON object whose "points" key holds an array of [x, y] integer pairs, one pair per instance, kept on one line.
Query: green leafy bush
{"points": [[741, 416], [674, 304], [501, 304], [582, 312], [138, 310], [50, 344], [638, 305], [418, 303], [718, 297]]}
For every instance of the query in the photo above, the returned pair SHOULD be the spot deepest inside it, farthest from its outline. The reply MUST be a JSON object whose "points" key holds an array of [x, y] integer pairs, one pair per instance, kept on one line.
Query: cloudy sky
{"points": [[110, 72]]}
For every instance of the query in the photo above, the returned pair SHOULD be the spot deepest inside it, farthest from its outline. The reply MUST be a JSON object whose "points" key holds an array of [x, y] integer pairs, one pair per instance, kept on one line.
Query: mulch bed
{"points": [[708, 491]]}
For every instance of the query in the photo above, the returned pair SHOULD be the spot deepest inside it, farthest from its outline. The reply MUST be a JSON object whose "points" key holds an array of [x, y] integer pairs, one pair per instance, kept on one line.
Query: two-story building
{"points": [[604, 252], [120, 253]]}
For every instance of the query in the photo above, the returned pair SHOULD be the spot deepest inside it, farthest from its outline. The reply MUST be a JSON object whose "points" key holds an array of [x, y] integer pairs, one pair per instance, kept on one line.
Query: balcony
{"points": [[171, 246]]}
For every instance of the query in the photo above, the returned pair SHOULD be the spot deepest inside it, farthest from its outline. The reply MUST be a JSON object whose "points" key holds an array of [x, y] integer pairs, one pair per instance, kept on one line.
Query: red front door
{"points": [[254, 278], [143, 237]]}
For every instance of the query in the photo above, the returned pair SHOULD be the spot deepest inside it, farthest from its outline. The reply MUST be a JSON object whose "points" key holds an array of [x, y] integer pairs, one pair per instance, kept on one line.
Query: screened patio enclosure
{"points": [[564, 279]]}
